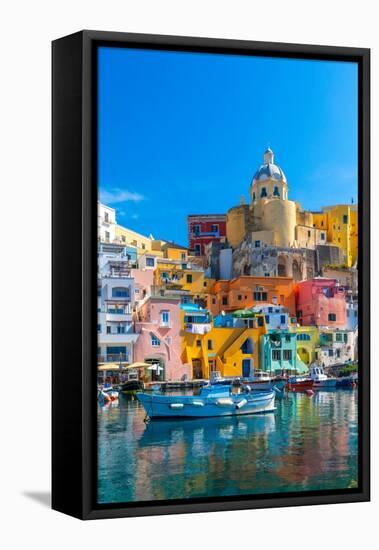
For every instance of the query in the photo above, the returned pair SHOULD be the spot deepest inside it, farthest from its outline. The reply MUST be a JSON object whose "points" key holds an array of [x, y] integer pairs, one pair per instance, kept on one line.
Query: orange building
{"points": [[249, 291]]}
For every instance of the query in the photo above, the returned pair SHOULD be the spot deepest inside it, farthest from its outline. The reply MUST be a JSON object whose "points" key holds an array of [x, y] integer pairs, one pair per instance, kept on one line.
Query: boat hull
{"points": [[329, 383], [300, 386], [191, 406]]}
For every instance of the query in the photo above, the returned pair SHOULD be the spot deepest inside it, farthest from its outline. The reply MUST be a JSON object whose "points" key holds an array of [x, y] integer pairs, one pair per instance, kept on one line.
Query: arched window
{"points": [[276, 191], [248, 346], [263, 192], [254, 196]]}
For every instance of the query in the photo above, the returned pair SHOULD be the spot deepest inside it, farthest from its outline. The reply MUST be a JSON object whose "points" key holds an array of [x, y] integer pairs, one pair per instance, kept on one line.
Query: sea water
{"points": [[308, 443]]}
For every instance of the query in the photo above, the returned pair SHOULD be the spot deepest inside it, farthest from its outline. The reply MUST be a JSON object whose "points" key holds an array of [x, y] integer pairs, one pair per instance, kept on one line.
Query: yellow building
{"points": [[341, 223], [233, 350], [272, 219], [129, 237], [307, 340]]}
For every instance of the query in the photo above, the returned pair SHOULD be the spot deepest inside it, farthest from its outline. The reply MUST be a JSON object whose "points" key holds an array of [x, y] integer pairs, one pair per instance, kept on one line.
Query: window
{"points": [[198, 343], [196, 229], [165, 318], [345, 218], [263, 192], [98, 328], [189, 278], [267, 317], [309, 234], [121, 329], [184, 257], [99, 292], [204, 284], [287, 355], [303, 337], [224, 300], [210, 344], [260, 321], [299, 313], [214, 228], [120, 292], [282, 319], [322, 223], [345, 338], [136, 290], [288, 338], [108, 329], [106, 217], [253, 196], [267, 274], [213, 300], [257, 244], [143, 246], [240, 296], [264, 296], [276, 355], [330, 352], [150, 262], [322, 236], [155, 342], [276, 191], [107, 236], [339, 337], [332, 317], [123, 238], [197, 249]]}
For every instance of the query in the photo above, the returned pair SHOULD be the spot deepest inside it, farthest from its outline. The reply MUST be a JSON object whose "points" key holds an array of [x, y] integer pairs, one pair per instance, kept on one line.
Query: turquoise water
{"points": [[309, 443]]}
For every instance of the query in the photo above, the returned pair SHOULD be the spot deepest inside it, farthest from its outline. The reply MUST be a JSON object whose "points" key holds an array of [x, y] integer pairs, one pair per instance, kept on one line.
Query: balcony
{"points": [[118, 316], [117, 338], [213, 234], [197, 328], [117, 358]]}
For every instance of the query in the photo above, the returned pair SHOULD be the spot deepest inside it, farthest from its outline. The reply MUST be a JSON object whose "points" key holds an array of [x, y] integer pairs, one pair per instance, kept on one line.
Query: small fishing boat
{"points": [[299, 384], [212, 400], [264, 381], [320, 379], [131, 386]]}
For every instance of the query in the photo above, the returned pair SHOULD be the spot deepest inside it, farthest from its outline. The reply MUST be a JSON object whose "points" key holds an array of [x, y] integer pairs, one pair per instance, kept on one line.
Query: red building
{"points": [[204, 229]]}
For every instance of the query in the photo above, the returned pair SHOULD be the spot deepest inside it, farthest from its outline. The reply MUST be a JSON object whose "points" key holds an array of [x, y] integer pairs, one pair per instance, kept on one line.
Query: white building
{"points": [[337, 347], [115, 302], [106, 223], [277, 317]]}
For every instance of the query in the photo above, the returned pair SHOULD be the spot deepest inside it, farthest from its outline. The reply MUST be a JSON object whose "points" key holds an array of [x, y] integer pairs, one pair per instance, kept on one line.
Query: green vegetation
{"points": [[348, 369]]}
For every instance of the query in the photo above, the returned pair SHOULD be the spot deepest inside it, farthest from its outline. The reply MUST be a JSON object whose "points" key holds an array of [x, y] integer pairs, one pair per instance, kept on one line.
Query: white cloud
{"points": [[118, 195]]}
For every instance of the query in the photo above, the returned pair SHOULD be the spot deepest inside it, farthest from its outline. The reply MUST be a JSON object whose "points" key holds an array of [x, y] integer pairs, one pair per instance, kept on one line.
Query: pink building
{"points": [[143, 280], [320, 302], [159, 341]]}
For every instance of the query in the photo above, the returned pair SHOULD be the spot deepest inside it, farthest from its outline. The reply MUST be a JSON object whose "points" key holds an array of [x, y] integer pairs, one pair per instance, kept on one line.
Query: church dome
{"points": [[269, 170]]}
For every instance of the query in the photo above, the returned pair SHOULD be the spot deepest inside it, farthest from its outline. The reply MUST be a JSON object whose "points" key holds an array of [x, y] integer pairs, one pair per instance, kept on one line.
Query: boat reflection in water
{"points": [[164, 432]]}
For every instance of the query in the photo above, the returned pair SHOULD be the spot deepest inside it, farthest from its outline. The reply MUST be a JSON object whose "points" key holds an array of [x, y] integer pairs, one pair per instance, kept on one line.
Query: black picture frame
{"points": [[74, 267]]}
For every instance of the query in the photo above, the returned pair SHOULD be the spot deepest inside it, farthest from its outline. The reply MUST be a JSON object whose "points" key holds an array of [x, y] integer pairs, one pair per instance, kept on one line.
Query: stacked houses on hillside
{"points": [[265, 286]]}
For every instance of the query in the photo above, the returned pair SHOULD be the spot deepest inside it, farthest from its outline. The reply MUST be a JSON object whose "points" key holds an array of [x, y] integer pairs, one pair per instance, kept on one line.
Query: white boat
{"points": [[264, 381], [320, 379], [217, 400]]}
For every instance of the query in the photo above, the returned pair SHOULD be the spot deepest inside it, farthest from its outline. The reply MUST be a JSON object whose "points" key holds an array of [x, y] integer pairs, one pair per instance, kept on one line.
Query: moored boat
{"points": [[212, 400], [131, 386], [299, 383], [320, 379]]}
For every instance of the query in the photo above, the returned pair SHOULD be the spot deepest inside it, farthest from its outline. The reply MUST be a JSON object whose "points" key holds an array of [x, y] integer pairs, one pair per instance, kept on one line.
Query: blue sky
{"points": [[183, 133]]}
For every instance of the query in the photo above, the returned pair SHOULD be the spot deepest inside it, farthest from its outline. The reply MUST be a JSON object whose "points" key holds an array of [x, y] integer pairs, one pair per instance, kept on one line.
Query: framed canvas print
{"points": [[210, 274]]}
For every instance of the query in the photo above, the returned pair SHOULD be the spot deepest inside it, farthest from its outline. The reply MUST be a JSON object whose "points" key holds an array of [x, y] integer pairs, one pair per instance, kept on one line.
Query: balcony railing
{"points": [[197, 328], [116, 358]]}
